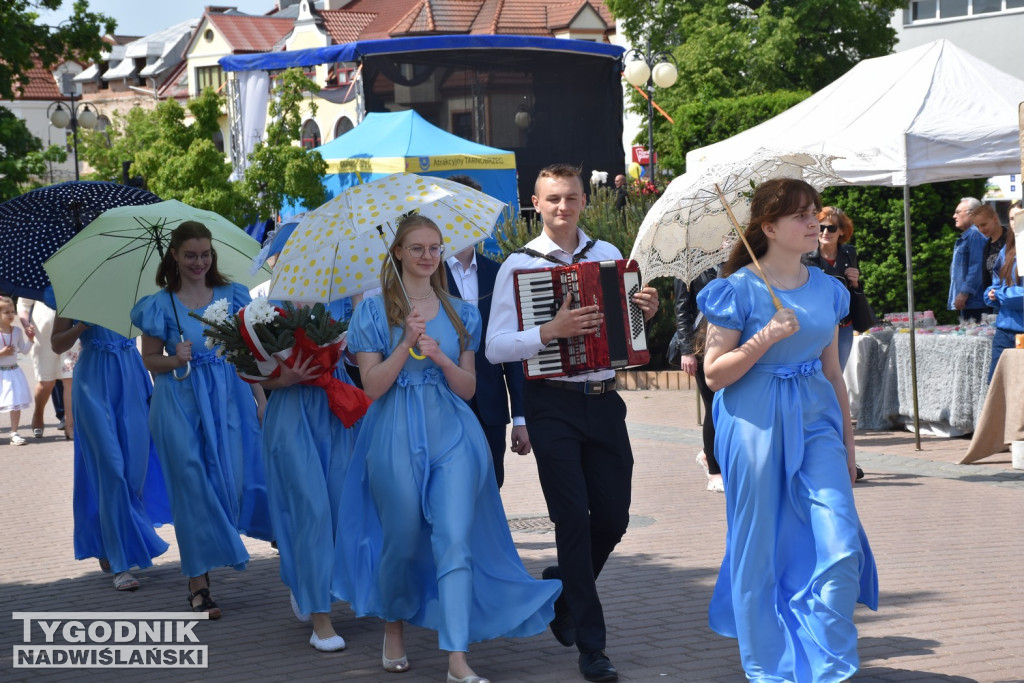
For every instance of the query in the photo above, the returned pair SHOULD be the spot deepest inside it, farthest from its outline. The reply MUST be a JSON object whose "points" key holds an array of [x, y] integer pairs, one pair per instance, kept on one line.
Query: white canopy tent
{"points": [[930, 114]]}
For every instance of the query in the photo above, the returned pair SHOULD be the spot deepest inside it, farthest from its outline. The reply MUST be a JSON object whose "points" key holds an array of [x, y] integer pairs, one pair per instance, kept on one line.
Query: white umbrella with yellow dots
{"points": [[338, 249]]}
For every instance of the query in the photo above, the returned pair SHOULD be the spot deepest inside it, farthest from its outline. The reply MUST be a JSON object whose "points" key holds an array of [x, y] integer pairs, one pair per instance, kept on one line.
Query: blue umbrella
{"points": [[38, 223]]}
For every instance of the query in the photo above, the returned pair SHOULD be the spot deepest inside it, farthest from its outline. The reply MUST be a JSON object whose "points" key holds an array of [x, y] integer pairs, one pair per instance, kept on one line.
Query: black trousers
{"points": [[708, 397], [585, 465], [496, 440]]}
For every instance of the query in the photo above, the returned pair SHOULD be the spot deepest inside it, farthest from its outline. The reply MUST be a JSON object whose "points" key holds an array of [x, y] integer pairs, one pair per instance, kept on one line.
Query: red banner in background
{"points": [[642, 156]]}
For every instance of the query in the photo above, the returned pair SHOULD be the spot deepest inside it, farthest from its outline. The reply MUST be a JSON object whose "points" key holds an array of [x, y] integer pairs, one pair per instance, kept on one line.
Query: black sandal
{"points": [[207, 605]]}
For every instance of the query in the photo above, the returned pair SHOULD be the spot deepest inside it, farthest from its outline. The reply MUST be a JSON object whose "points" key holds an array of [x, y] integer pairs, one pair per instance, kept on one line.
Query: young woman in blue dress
{"points": [[206, 425], [119, 490], [446, 560], [796, 560]]}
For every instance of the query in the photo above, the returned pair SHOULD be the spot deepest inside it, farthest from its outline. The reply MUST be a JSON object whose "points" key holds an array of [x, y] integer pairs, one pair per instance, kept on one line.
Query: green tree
{"points": [[280, 172], [737, 49], [25, 39], [22, 157], [177, 159]]}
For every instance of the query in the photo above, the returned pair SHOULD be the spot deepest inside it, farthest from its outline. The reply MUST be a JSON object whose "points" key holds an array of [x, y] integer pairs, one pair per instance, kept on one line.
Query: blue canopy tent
{"points": [[392, 142]]}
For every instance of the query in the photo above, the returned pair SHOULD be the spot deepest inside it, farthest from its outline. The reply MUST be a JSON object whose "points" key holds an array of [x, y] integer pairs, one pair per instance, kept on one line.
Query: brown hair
{"points": [[563, 171], [772, 200], [396, 306], [167, 274], [6, 300], [466, 180], [839, 219], [1008, 273]]}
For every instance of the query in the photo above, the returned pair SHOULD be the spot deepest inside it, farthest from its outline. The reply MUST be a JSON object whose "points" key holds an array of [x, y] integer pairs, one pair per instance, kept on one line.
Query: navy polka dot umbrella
{"points": [[38, 223]]}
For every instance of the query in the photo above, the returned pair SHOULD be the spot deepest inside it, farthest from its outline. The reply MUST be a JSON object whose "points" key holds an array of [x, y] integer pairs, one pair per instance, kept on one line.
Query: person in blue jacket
{"points": [[967, 269], [1007, 297]]}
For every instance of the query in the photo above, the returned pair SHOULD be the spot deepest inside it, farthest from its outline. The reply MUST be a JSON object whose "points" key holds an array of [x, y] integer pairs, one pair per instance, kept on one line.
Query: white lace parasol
{"points": [[688, 230]]}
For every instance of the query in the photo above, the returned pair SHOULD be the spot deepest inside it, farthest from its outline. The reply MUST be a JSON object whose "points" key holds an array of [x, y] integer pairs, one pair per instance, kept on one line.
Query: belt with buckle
{"points": [[588, 388]]}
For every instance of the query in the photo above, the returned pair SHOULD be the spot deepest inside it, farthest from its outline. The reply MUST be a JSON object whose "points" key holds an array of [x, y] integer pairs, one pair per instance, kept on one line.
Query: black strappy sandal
{"points": [[207, 605]]}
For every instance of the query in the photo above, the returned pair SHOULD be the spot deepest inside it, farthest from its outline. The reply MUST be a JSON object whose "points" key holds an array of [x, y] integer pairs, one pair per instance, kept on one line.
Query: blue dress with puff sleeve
{"points": [[426, 539], [796, 559], [306, 452], [207, 436], [119, 491]]}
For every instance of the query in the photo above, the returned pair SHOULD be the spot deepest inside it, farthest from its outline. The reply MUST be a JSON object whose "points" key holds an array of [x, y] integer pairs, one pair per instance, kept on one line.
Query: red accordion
{"points": [[620, 342]]}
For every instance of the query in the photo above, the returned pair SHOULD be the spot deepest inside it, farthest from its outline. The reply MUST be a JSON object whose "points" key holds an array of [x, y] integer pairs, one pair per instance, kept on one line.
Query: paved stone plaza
{"points": [[948, 539]]}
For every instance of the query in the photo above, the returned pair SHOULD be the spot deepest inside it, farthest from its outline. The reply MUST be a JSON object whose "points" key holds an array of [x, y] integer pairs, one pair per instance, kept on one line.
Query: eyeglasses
{"points": [[418, 250], [830, 228]]}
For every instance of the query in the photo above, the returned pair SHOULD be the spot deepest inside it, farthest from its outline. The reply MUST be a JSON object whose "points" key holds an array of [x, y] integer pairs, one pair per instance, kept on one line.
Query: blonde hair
{"points": [[396, 306]]}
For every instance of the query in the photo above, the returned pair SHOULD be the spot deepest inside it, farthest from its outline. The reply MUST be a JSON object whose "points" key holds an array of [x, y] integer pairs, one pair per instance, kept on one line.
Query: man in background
{"points": [[471, 278], [967, 270]]}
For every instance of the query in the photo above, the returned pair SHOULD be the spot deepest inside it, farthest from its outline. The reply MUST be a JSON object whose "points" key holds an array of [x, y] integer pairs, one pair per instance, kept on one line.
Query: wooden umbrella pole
{"points": [[739, 231]]}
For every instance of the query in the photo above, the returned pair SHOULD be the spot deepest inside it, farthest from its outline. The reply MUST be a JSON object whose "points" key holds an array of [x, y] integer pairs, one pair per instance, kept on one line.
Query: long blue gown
{"points": [[208, 438], [423, 469], [119, 491], [306, 451], [796, 558]]}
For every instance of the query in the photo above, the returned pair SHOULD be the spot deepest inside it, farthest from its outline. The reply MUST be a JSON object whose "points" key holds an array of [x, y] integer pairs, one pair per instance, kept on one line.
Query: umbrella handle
{"points": [[188, 367], [415, 354]]}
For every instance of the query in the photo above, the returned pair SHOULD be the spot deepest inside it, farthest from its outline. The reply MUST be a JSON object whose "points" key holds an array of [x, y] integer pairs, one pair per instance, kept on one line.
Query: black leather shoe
{"points": [[562, 626], [860, 472], [595, 666]]}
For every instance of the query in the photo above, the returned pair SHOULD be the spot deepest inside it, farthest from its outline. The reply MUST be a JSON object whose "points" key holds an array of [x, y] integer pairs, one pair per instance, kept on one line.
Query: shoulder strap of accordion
{"points": [[575, 259], [583, 252], [536, 254]]}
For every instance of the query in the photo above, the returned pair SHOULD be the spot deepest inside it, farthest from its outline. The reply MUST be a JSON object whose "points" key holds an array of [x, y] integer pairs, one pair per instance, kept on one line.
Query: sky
{"points": [[135, 18]]}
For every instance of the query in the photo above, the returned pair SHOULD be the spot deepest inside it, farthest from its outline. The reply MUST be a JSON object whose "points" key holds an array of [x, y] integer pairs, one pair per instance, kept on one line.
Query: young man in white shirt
{"points": [[577, 424]]}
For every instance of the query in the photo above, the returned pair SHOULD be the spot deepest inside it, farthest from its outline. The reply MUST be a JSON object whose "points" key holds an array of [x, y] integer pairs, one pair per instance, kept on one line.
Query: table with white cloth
{"points": [[952, 378], [1002, 420]]}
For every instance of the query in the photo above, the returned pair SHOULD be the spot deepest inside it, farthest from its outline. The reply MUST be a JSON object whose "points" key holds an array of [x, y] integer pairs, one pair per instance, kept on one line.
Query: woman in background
{"points": [[119, 490], [839, 259], [1006, 296]]}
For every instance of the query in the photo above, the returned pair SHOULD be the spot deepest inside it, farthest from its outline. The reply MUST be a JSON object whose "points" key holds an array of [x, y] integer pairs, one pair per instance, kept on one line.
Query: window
{"points": [[310, 134], [343, 126], [930, 10], [209, 77], [922, 10], [339, 74], [952, 8], [462, 124], [218, 140]]}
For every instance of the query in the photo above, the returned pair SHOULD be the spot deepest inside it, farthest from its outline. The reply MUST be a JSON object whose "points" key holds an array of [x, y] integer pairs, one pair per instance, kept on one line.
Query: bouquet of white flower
{"points": [[260, 334]]}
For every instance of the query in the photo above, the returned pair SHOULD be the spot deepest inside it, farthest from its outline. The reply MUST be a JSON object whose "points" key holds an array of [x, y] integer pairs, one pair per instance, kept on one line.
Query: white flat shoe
{"points": [[332, 644], [299, 614], [716, 485]]}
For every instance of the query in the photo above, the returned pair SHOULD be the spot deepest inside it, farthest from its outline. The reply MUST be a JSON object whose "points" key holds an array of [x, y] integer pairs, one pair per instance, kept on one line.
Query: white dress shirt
{"points": [[505, 341], [468, 282], [466, 279]]}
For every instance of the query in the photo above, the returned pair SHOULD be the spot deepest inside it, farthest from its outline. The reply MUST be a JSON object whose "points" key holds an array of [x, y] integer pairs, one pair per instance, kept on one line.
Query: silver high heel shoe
{"points": [[393, 666], [467, 679]]}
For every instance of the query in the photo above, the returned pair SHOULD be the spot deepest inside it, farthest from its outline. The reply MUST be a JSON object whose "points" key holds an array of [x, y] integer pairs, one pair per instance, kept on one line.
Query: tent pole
{"points": [[910, 305]]}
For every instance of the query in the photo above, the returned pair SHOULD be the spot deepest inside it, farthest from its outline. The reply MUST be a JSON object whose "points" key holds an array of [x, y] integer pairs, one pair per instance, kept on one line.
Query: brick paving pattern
{"points": [[948, 540]]}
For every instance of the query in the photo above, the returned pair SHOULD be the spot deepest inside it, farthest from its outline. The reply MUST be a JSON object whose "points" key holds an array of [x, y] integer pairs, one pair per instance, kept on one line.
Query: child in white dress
{"points": [[14, 393]]}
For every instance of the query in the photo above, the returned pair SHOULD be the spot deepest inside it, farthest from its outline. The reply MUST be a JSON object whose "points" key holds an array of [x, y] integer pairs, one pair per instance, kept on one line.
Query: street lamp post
{"points": [[649, 69], [74, 115]]}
